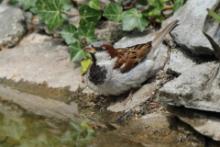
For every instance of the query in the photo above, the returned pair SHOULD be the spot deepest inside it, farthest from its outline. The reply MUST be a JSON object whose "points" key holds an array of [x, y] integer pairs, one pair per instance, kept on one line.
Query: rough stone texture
{"points": [[152, 130], [43, 107], [189, 33], [134, 100], [38, 59], [195, 88], [179, 62], [11, 26], [205, 123], [109, 31]]}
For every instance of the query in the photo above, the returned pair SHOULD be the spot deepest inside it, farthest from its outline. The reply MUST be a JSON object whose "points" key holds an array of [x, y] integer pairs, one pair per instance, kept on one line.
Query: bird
{"points": [[115, 71]]}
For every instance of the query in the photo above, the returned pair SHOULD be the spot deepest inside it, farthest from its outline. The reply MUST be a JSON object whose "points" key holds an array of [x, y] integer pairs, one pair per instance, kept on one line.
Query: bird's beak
{"points": [[90, 50]]}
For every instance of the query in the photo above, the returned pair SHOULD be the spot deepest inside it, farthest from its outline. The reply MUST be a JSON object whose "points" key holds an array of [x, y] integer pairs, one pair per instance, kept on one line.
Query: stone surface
{"points": [[134, 100], [38, 59], [179, 62], [152, 130], [195, 88], [205, 123], [109, 31], [43, 107], [192, 18], [11, 26]]}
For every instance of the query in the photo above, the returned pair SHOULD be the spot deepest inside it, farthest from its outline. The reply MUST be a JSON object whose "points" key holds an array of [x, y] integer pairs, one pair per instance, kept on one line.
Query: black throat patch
{"points": [[97, 74]]}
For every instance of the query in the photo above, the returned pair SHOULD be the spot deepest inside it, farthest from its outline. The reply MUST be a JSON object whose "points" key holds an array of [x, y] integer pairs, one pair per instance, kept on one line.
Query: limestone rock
{"points": [[192, 19], [11, 26], [178, 61], [205, 123], [195, 88], [38, 59]]}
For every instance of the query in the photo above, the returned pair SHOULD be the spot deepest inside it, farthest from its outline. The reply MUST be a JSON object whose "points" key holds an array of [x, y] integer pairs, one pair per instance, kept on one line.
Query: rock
{"points": [[11, 26], [192, 18], [38, 59], [205, 123], [195, 88], [43, 107], [134, 100], [153, 130], [109, 31], [179, 62]]}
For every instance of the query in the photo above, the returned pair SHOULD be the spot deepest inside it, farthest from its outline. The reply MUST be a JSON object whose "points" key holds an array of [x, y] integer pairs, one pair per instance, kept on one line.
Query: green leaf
{"points": [[88, 14], [95, 4], [69, 34], [87, 31], [178, 4], [132, 19], [25, 4], [214, 15], [51, 12], [113, 12], [85, 64], [76, 52]]}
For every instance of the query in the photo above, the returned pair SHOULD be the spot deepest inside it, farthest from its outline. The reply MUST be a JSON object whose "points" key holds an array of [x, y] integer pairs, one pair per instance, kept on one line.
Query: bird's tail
{"points": [[161, 34]]}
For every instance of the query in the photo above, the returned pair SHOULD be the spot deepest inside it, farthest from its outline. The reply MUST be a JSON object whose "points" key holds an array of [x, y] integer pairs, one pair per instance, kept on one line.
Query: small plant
{"points": [[79, 134], [214, 15], [132, 14]]}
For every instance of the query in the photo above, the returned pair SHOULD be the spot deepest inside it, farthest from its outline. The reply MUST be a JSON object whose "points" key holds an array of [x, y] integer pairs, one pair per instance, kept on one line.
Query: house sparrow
{"points": [[115, 71]]}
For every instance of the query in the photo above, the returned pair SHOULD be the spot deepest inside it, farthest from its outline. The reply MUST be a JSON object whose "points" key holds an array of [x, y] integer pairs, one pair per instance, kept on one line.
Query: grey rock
{"points": [[204, 123], [135, 99], [40, 106], [109, 31], [195, 88], [38, 59], [179, 62], [11, 26], [192, 18]]}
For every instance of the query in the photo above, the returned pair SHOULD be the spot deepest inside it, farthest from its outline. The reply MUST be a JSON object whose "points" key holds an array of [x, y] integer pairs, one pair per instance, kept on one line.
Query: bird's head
{"points": [[102, 65]]}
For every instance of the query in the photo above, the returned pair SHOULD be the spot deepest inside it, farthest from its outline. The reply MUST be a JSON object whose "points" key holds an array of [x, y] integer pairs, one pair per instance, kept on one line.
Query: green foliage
{"points": [[133, 19], [17, 131], [81, 134], [178, 4], [95, 4], [113, 12], [55, 14], [214, 15], [25, 4], [51, 12]]}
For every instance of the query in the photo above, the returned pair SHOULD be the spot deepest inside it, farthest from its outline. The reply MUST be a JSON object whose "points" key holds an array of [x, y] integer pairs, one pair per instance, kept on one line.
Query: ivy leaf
{"points": [[178, 4], [76, 52], [69, 34], [87, 31], [25, 4], [85, 64], [88, 14], [113, 11], [132, 19], [51, 11], [95, 4], [214, 15]]}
